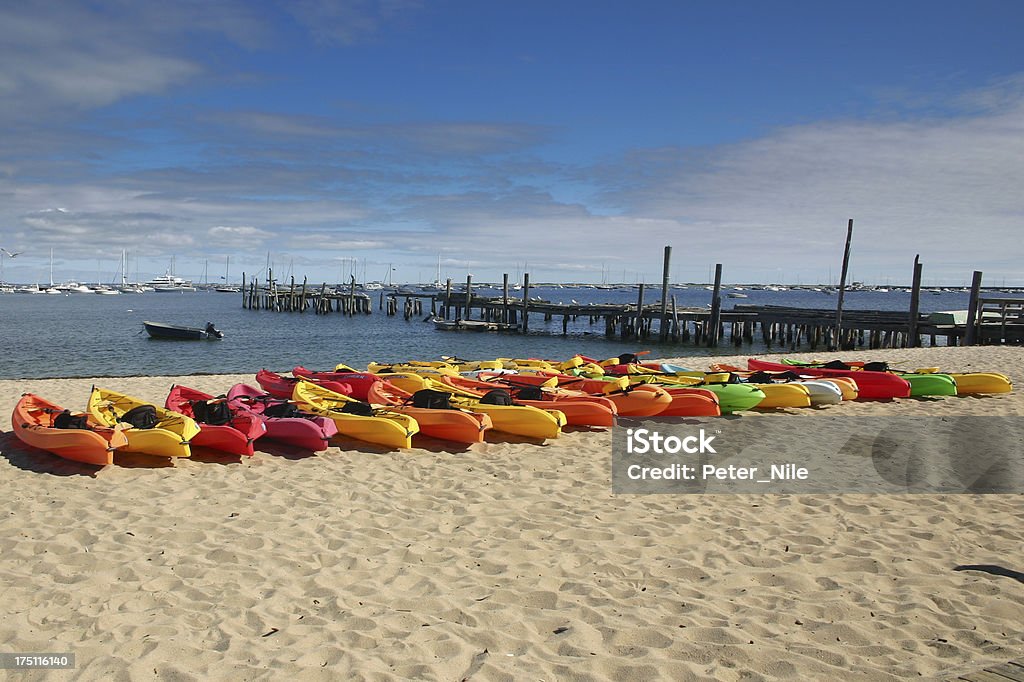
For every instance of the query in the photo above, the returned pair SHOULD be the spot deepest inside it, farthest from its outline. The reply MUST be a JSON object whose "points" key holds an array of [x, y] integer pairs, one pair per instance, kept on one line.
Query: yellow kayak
{"points": [[783, 395], [414, 367], [968, 383], [520, 420], [169, 437], [381, 426]]}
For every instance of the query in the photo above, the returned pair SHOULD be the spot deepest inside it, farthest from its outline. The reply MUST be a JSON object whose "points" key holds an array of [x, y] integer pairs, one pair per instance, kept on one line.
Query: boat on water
{"points": [[168, 283], [160, 330], [73, 288], [470, 325]]}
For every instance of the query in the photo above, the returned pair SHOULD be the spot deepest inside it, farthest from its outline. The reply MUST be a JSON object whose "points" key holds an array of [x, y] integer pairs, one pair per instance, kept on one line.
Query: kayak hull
{"points": [[32, 422], [235, 437], [387, 429], [871, 385], [458, 426], [519, 420], [169, 438], [309, 432]]}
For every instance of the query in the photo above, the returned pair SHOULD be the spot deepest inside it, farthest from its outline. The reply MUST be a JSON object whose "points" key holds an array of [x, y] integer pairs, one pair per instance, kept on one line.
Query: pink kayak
{"points": [[284, 422]]}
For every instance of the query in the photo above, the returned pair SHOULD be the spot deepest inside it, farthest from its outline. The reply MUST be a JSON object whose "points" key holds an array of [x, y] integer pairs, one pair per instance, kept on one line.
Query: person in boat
{"points": [[213, 331]]}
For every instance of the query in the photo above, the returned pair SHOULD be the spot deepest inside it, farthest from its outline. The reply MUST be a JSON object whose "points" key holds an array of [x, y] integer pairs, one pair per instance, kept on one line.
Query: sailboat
{"points": [[378, 285], [124, 287], [437, 284], [36, 289], [227, 288]]}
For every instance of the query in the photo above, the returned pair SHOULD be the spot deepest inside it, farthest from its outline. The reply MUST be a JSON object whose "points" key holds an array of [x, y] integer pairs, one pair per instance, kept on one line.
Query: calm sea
{"points": [[84, 335]]}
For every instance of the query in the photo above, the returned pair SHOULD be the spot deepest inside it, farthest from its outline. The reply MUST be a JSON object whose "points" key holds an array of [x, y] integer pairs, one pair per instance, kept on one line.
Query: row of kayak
{"points": [[457, 400]]}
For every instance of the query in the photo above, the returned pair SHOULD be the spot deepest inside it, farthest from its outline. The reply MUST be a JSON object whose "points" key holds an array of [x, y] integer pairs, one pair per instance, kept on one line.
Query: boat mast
{"points": [[51, 266]]}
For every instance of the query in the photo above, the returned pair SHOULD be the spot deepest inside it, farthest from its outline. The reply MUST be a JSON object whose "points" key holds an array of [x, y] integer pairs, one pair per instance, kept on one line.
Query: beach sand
{"points": [[506, 560]]}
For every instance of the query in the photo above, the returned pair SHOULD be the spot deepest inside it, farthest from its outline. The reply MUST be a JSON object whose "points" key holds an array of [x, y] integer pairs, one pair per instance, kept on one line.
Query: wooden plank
{"points": [[526, 302], [663, 328], [984, 676], [915, 303], [842, 283], [639, 312], [716, 308], [971, 333], [1011, 671]]}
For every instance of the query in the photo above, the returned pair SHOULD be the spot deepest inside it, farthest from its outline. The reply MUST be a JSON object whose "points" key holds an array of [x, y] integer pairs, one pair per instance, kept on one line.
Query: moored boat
{"points": [[162, 330]]}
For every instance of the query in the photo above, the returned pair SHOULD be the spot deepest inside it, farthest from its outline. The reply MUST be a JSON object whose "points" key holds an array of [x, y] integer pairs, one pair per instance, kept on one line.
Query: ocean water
{"points": [[83, 335]]}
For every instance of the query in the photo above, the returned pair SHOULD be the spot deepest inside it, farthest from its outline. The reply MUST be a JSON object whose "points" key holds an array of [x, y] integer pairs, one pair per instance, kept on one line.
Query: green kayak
{"points": [[735, 397]]}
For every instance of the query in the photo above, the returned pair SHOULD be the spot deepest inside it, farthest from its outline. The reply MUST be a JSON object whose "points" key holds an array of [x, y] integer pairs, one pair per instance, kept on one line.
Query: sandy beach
{"points": [[504, 560]]}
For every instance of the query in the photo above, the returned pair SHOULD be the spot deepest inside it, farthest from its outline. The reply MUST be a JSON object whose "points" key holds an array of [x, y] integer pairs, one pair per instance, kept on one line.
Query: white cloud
{"points": [[946, 188]]}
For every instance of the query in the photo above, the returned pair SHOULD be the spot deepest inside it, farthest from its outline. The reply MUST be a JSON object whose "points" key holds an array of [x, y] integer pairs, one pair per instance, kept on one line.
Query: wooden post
{"points": [[352, 296], [504, 298], [663, 330], [639, 320], [526, 302], [842, 282], [675, 319], [243, 289], [716, 308], [915, 303], [469, 295], [447, 296], [971, 332]]}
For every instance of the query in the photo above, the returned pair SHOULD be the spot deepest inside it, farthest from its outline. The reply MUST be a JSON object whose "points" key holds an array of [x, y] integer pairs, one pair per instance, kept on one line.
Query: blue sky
{"points": [[570, 139]]}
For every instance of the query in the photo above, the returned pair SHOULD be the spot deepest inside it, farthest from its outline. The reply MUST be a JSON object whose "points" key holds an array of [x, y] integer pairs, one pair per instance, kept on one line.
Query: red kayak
{"points": [[282, 387], [283, 420], [359, 383], [871, 385], [222, 426]]}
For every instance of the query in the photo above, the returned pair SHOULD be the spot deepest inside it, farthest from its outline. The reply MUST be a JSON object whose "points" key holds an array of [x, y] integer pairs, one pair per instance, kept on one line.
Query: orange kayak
{"points": [[460, 426], [582, 410], [35, 424], [689, 402], [628, 401]]}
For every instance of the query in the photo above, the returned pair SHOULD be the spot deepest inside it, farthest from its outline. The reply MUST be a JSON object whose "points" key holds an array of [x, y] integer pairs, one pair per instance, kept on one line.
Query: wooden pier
{"points": [[989, 320]]}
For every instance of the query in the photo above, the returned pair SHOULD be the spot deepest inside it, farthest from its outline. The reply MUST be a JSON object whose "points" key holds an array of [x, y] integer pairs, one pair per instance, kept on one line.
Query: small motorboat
{"points": [[160, 330]]}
